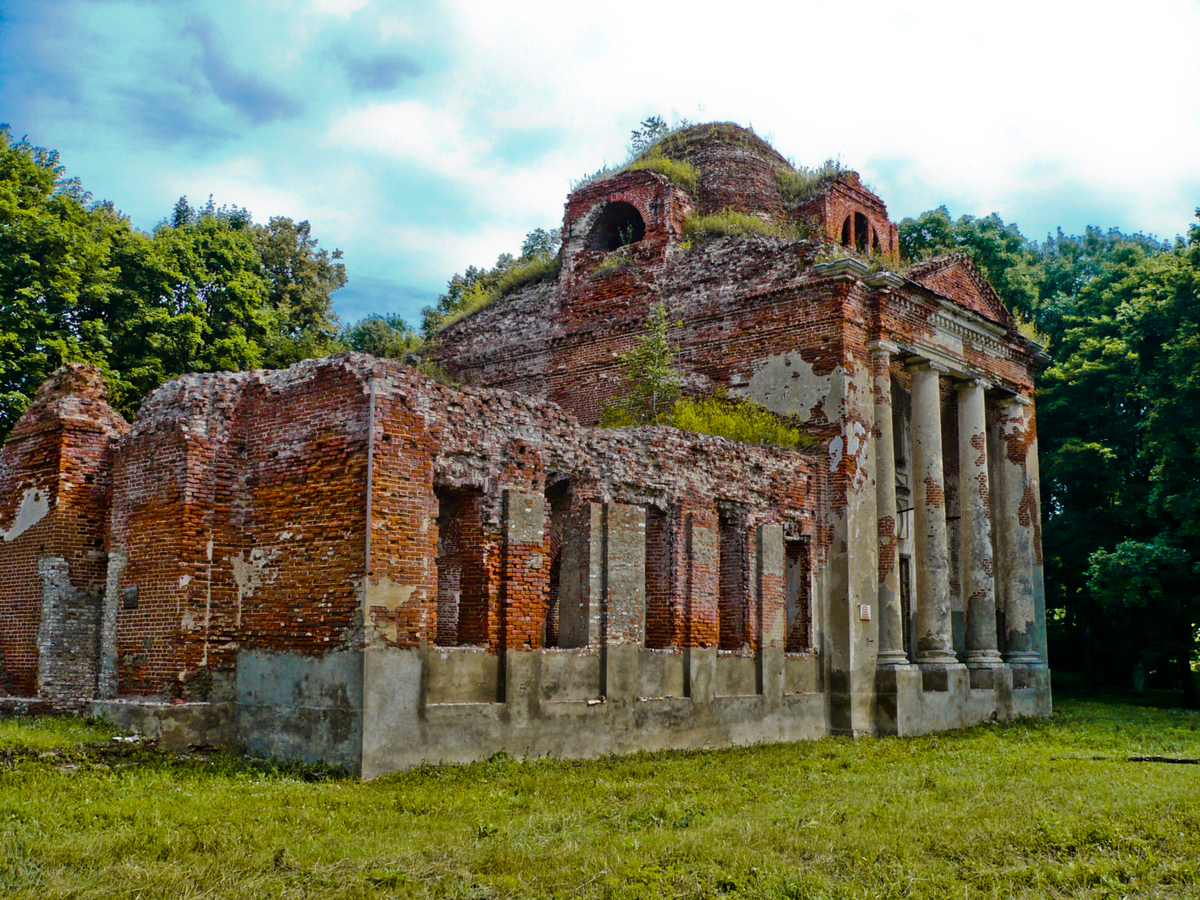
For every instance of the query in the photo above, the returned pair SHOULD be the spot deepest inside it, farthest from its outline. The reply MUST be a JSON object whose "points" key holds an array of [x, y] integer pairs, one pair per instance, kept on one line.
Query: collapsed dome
{"points": [[619, 224]]}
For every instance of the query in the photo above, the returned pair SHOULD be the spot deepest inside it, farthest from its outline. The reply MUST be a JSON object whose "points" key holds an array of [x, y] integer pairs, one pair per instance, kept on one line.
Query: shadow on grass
{"points": [[1070, 686]]}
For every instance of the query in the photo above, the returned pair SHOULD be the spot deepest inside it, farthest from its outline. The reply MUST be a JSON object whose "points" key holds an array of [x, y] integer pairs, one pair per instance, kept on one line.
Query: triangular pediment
{"points": [[955, 278]]}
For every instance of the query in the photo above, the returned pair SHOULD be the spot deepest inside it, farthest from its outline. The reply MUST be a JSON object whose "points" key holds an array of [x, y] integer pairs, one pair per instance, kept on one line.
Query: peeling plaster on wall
{"points": [[248, 574], [117, 562], [787, 385], [383, 599], [35, 506]]}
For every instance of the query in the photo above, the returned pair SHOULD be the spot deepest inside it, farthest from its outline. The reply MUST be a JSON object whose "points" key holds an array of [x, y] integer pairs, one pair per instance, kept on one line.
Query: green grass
{"points": [[682, 174], [1014, 810], [740, 420], [520, 274], [803, 183], [698, 229]]}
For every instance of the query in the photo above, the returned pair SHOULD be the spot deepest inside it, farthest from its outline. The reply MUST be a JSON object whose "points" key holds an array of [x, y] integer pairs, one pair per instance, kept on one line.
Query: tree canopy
{"points": [[208, 290]]}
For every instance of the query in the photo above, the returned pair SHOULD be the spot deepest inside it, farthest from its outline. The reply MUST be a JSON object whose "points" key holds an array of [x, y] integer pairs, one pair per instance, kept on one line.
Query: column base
{"points": [[891, 659], [936, 658], [936, 670], [984, 659], [1025, 659]]}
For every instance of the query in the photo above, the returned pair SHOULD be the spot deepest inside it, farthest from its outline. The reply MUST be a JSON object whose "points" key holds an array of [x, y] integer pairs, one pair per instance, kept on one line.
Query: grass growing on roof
{"points": [[1021, 809], [682, 174], [802, 183], [699, 229], [520, 274]]}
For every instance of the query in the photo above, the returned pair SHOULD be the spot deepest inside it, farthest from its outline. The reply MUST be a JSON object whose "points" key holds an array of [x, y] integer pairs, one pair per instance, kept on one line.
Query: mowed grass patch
{"points": [[1022, 809]]}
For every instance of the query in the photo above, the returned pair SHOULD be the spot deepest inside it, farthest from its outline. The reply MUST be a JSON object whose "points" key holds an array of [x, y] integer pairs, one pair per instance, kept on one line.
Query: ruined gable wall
{"points": [[504, 445], [917, 318], [740, 301], [53, 486], [955, 279], [239, 517]]}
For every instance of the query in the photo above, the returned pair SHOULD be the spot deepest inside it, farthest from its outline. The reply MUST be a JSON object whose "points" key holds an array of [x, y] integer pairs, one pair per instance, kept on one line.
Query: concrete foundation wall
{"points": [[302, 707], [656, 700]]}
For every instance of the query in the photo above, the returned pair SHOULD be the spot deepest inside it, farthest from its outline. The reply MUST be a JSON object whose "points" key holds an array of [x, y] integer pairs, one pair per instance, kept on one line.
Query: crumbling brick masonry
{"points": [[350, 561]]}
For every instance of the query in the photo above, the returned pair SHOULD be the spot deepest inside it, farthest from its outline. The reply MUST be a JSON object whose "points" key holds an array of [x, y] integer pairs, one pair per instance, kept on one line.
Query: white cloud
{"points": [[1050, 113]]}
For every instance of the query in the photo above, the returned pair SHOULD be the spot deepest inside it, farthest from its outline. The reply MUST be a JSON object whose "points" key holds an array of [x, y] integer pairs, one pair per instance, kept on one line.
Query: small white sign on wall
{"points": [[864, 612]]}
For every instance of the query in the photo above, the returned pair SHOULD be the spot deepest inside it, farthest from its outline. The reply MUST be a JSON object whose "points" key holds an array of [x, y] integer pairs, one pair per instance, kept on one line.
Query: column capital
{"points": [[1015, 400], [883, 347], [919, 363], [967, 384]]}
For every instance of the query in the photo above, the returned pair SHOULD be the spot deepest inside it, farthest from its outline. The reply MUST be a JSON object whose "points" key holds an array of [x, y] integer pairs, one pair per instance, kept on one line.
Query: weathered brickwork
{"points": [[54, 477], [370, 566]]}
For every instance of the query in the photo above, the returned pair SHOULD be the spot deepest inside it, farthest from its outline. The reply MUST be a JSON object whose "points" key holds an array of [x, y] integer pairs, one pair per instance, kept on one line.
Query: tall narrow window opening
{"points": [[461, 606], [799, 596], [731, 607], [558, 501], [861, 232]]}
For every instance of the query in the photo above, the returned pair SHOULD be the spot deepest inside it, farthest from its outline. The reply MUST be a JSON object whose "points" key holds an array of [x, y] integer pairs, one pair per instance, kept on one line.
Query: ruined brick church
{"points": [[350, 561]]}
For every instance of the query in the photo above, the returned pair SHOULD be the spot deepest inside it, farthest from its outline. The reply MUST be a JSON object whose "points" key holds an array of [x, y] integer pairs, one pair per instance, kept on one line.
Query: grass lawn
{"points": [[1028, 809]]}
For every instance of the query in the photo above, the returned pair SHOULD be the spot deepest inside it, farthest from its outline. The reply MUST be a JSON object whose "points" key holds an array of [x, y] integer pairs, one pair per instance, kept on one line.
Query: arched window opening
{"points": [[861, 230], [874, 241], [618, 225], [846, 231]]}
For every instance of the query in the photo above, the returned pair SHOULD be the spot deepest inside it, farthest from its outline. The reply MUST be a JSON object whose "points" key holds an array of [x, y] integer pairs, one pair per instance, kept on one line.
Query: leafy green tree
{"points": [[301, 278], [651, 377], [208, 290], [1120, 440], [996, 248], [540, 258], [389, 337], [55, 273]]}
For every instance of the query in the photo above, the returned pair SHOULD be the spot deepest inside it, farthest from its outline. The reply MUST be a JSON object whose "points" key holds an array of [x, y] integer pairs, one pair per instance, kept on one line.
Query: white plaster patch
{"points": [[35, 506], [835, 453], [248, 574], [786, 385], [389, 596], [184, 581]]}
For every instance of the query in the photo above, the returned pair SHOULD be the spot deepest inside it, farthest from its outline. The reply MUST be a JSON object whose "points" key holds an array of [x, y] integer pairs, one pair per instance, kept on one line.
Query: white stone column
{"points": [[975, 528], [935, 642], [891, 628], [1016, 510]]}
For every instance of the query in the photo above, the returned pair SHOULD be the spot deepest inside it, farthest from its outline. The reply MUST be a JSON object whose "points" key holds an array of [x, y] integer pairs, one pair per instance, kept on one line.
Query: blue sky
{"points": [[420, 138]]}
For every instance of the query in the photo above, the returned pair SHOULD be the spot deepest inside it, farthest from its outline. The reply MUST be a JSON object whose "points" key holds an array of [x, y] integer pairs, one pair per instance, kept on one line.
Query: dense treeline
{"points": [[1117, 431]]}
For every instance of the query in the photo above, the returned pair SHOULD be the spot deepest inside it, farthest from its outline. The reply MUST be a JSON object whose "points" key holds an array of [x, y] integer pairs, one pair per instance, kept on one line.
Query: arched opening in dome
{"points": [[847, 231], [861, 231], [619, 224], [874, 241]]}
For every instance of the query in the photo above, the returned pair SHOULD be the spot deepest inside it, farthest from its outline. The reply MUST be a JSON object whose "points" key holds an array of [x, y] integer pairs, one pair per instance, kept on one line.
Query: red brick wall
{"points": [[267, 469]]}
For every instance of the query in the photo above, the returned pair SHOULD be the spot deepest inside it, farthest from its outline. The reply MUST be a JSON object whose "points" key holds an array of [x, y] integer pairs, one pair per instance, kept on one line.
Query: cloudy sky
{"points": [[423, 137]]}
